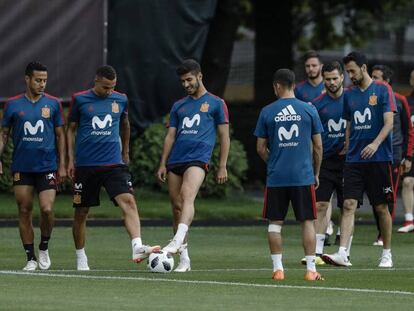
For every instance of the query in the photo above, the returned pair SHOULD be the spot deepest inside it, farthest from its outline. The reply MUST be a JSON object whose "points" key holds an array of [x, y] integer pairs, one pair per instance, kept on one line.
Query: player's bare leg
{"points": [[385, 223], [24, 200], [47, 219], [174, 189], [79, 236], [407, 195], [128, 205], [309, 243], [274, 237], [347, 228], [192, 180]]}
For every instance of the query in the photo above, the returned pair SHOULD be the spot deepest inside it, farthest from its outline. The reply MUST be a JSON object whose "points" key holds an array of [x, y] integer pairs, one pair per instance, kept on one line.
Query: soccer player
{"points": [[100, 117], [408, 179], [330, 107], [402, 139], [313, 86], [368, 109], [36, 122], [187, 150], [287, 130]]}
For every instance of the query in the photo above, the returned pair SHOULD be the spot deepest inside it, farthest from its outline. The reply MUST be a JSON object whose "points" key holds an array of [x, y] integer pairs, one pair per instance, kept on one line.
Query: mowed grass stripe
{"points": [[201, 282]]}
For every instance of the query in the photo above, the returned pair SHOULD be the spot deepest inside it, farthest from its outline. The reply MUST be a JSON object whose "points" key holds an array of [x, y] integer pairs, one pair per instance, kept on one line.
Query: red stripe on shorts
{"points": [[313, 195], [265, 204]]}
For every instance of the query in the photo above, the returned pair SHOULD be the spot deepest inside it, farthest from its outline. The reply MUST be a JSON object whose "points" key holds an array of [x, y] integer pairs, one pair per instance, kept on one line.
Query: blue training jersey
{"points": [[365, 112], [288, 125], [330, 112], [97, 140], [307, 92], [33, 132], [196, 121]]}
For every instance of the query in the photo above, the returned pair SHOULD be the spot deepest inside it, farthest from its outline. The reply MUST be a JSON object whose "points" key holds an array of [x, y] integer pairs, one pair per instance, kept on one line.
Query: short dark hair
{"points": [[357, 57], [188, 65], [32, 66], [311, 54], [331, 66], [387, 72], [285, 77], [107, 72]]}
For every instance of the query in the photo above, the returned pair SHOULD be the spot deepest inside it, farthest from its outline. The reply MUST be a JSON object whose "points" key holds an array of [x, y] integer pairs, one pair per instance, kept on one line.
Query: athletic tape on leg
{"points": [[274, 228]]}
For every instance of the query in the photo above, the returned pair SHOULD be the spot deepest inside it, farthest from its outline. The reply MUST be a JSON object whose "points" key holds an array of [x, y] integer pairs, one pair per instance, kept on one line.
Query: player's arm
{"points": [[370, 150], [224, 138], [168, 144], [61, 146], [317, 152], [70, 138], [261, 148], [347, 134], [125, 137], [408, 135], [4, 137]]}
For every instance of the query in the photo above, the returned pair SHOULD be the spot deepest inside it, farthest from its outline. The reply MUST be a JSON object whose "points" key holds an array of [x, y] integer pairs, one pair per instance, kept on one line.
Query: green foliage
{"points": [[145, 156], [6, 180], [146, 153]]}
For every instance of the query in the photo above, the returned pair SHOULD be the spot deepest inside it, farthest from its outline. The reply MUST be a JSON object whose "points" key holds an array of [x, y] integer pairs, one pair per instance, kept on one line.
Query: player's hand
{"points": [[316, 182], [369, 151], [125, 158], [344, 150], [162, 173], [221, 175], [61, 174], [405, 166], [71, 170]]}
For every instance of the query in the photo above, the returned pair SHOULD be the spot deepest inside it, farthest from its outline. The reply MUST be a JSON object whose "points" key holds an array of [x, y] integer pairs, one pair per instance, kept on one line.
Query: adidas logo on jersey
{"points": [[287, 114]]}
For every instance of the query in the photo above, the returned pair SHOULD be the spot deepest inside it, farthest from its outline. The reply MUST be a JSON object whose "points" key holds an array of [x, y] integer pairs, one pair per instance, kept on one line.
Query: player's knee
{"points": [[382, 209], [408, 182], [274, 228], [349, 206], [25, 208], [322, 207], [46, 209], [81, 213]]}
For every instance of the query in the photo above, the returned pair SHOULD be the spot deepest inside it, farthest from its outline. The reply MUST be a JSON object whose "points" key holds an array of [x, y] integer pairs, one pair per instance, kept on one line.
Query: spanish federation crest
{"points": [[46, 112], [373, 100], [115, 107], [77, 199], [204, 107]]}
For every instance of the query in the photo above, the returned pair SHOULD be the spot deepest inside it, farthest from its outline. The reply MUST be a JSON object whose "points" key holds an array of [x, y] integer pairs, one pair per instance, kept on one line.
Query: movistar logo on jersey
{"points": [[335, 127], [284, 134], [189, 123], [33, 130], [287, 114], [361, 118], [99, 124]]}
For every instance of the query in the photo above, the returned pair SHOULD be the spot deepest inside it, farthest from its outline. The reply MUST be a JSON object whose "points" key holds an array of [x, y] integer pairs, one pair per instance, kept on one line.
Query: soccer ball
{"points": [[161, 262]]}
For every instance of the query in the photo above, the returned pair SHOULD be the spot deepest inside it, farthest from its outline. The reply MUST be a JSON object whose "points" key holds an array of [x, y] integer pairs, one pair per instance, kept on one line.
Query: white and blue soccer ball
{"points": [[160, 262]]}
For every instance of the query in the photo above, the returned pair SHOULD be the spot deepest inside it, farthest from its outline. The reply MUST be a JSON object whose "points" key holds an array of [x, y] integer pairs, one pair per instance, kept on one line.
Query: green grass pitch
{"points": [[231, 270]]}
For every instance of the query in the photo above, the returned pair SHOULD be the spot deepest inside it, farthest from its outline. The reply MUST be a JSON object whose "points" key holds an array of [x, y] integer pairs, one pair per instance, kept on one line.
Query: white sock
{"points": [[386, 252], [277, 262], [136, 243], [310, 263], [409, 217], [184, 255], [181, 232], [348, 249], [80, 253], [320, 240], [339, 231], [342, 251]]}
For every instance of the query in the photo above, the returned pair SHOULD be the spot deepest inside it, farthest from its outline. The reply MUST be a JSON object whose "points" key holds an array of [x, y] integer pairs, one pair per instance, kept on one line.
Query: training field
{"points": [[231, 271]]}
